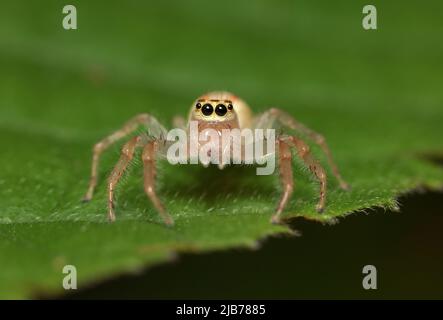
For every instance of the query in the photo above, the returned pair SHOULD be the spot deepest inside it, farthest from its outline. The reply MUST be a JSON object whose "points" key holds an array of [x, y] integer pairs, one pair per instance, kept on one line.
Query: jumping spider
{"points": [[214, 110]]}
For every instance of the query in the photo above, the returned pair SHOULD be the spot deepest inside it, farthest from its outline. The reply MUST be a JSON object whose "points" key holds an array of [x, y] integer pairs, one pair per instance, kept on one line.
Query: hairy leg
{"points": [[126, 156], [148, 157], [285, 167], [314, 167], [268, 119], [141, 119]]}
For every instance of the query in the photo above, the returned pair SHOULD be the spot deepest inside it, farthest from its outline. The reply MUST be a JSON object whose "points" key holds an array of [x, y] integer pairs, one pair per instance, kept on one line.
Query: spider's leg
{"points": [[141, 119], [126, 156], [148, 157], [314, 166], [285, 167], [268, 118]]}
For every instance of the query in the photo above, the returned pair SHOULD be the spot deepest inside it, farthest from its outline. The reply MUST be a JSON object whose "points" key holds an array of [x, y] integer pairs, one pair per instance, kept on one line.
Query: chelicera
{"points": [[216, 110]]}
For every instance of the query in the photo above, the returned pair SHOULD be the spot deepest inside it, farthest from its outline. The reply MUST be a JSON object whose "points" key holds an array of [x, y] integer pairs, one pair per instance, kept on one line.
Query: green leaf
{"points": [[375, 95]]}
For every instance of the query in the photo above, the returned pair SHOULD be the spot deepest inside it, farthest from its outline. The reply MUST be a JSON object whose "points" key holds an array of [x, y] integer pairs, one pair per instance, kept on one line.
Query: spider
{"points": [[214, 110]]}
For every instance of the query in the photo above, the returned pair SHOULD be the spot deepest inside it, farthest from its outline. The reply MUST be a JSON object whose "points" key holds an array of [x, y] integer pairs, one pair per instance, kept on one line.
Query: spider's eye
{"points": [[221, 110], [230, 107], [198, 105], [207, 109]]}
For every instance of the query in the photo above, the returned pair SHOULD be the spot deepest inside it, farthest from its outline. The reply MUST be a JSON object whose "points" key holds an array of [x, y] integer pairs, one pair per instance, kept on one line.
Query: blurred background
{"points": [[374, 94]]}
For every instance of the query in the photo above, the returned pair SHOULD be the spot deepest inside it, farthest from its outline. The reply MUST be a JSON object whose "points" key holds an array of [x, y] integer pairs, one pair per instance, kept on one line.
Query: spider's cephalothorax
{"points": [[217, 108], [218, 111]]}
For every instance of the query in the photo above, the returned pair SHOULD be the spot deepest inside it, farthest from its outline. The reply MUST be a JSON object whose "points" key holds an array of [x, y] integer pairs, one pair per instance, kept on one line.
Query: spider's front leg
{"points": [[285, 164], [314, 166], [278, 118], [126, 156], [144, 119], [148, 157], [287, 181]]}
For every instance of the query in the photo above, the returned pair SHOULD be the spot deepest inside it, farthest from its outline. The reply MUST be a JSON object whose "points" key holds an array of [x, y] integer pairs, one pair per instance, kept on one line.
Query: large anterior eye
{"points": [[221, 110], [207, 109]]}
